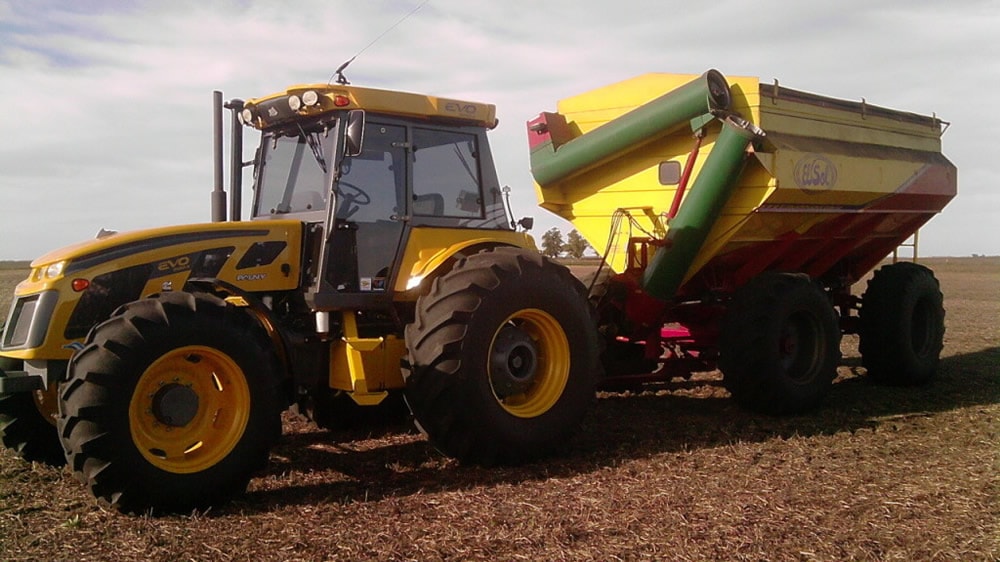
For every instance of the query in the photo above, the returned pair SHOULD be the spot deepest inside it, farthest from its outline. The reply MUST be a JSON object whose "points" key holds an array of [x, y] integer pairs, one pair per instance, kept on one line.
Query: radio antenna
{"points": [[339, 73]]}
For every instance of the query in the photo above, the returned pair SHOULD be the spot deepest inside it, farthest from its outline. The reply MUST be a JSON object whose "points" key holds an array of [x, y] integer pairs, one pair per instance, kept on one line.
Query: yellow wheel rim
{"points": [[189, 410], [529, 363]]}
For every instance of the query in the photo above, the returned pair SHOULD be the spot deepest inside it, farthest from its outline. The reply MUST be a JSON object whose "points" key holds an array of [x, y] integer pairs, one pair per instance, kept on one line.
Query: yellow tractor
{"points": [[379, 255]]}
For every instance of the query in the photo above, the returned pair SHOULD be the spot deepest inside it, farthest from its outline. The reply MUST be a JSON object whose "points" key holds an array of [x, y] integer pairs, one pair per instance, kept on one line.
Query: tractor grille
{"points": [[29, 320]]}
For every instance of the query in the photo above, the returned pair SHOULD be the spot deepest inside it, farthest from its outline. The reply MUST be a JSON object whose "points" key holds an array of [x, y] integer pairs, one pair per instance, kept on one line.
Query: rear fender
{"points": [[430, 251]]}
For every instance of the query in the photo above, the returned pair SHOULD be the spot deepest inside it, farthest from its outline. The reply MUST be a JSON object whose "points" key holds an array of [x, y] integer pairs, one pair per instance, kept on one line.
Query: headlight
{"points": [[310, 97], [54, 270], [247, 117], [294, 103]]}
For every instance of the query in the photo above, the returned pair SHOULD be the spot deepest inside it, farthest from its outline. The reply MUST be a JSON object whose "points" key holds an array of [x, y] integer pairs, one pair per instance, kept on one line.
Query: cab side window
{"points": [[446, 179], [372, 185]]}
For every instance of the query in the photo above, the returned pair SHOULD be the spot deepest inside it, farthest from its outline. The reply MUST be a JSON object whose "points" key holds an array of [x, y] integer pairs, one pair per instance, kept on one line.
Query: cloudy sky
{"points": [[105, 105]]}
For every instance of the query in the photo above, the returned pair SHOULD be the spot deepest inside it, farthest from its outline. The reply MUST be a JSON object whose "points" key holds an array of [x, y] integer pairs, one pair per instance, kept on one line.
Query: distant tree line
{"points": [[554, 246], [15, 264]]}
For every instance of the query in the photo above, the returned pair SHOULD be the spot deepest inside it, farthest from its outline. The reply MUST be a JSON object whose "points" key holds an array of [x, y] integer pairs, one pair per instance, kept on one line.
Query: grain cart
{"points": [[158, 362], [734, 216], [380, 258]]}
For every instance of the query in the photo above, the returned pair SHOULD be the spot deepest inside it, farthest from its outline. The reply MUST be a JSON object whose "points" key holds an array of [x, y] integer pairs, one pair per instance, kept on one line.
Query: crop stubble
{"points": [[675, 473]]}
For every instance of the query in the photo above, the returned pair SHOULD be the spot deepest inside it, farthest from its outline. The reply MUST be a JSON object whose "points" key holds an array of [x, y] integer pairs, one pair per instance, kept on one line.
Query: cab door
{"points": [[370, 199]]}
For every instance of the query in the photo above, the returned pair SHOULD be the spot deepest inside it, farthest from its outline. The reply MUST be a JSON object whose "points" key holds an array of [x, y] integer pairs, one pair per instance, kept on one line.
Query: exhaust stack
{"points": [[218, 193]]}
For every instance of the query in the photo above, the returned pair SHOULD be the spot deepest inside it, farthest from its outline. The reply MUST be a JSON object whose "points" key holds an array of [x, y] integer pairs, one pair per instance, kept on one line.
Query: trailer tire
{"points": [[902, 324], [25, 428], [503, 358], [780, 344], [171, 405]]}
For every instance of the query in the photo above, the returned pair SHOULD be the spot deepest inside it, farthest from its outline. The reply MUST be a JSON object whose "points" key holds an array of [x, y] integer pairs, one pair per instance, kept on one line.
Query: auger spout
{"points": [[557, 155], [700, 209]]}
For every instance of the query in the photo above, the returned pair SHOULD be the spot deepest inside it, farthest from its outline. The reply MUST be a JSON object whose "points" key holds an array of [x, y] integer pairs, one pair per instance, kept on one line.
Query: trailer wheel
{"points": [[503, 358], [171, 405], [902, 324], [27, 425], [780, 344]]}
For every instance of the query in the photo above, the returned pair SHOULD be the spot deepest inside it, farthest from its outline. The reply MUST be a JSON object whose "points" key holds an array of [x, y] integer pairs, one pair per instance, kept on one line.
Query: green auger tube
{"points": [[700, 209], [701, 96]]}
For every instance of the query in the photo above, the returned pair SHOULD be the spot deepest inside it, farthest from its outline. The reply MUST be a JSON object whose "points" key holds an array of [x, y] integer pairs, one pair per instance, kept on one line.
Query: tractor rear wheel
{"points": [[27, 425], [503, 358], [902, 324], [171, 405], [780, 344]]}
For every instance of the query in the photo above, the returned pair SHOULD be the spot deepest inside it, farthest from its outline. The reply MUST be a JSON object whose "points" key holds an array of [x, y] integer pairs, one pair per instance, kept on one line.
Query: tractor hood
{"points": [[71, 289], [251, 255]]}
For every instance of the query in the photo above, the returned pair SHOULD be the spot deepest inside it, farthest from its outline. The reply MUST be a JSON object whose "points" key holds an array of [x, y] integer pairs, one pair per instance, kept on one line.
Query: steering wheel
{"points": [[350, 200], [352, 193]]}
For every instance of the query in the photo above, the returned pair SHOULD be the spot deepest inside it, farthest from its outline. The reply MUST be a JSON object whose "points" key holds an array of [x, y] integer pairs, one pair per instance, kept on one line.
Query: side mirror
{"points": [[354, 137]]}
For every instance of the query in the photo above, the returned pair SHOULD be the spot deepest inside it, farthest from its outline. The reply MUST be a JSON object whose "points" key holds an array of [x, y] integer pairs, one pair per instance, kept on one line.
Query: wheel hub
{"points": [[800, 348], [788, 345], [175, 405], [513, 362]]}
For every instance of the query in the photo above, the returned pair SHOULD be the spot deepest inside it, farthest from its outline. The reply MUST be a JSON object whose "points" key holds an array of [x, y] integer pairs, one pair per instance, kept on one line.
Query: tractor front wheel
{"points": [[503, 358], [171, 405], [27, 422]]}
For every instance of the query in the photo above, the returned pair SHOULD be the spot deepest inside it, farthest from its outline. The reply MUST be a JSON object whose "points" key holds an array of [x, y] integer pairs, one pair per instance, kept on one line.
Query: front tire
{"points": [[503, 358], [780, 344], [902, 324], [171, 405], [27, 425]]}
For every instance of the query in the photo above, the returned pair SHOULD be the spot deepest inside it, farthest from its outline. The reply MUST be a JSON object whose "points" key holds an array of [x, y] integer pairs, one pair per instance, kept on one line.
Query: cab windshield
{"points": [[291, 174]]}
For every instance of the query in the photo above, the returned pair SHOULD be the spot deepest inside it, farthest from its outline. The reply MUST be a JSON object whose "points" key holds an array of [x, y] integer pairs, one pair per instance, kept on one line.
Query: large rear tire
{"points": [[171, 405], [27, 425], [902, 324], [780, 344], [503, 358]]}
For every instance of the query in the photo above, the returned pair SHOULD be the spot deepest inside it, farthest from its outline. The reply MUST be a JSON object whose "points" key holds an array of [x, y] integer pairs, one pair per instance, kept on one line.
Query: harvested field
{"points": [[675, 473]]}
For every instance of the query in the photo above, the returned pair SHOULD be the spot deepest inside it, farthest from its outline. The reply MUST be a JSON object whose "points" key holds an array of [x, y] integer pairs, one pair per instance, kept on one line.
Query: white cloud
{"points": [[106, 106]]}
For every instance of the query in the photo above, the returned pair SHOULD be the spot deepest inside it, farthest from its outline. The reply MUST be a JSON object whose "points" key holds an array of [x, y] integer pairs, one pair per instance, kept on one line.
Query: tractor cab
{"points": [[364, 178]]}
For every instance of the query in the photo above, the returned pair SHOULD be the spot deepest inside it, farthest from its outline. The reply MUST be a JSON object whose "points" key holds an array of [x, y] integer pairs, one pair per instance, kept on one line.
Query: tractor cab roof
{"points": [[310, 100]]}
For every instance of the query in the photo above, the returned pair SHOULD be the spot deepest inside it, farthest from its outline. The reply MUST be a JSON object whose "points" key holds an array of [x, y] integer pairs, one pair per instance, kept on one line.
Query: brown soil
{"points": [[674, 473]]}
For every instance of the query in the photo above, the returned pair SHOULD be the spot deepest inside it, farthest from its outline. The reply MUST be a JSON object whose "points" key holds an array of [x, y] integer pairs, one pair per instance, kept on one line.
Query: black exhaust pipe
{"points": [[236, 161], [218, 193]]}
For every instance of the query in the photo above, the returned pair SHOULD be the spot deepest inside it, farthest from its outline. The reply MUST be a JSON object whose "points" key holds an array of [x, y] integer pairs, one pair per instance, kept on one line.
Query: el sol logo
{"points": [[814, 173]]}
